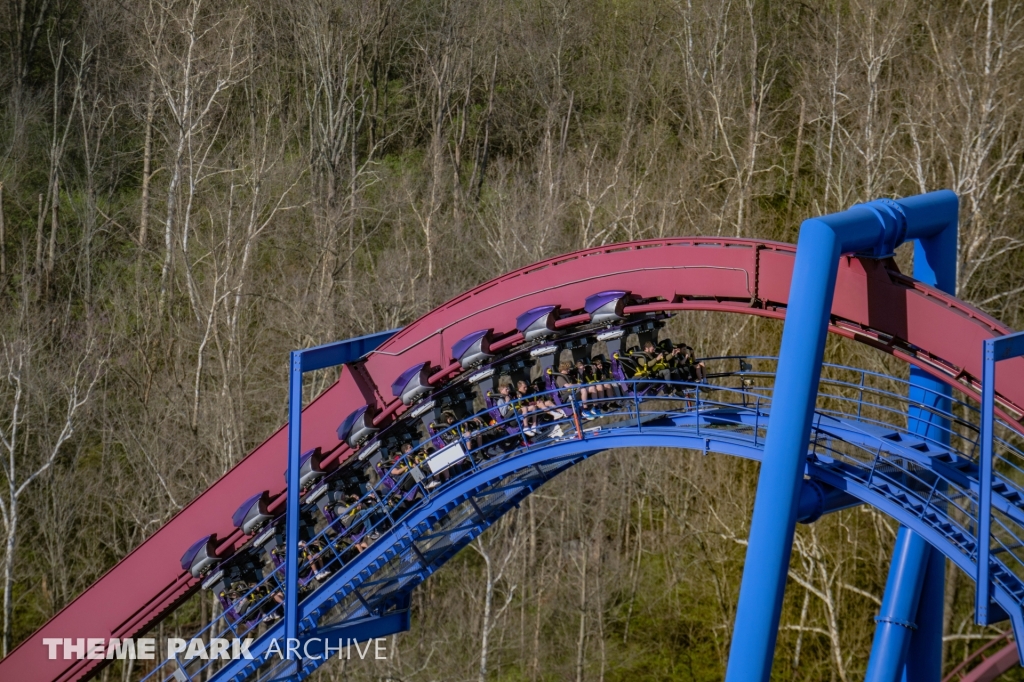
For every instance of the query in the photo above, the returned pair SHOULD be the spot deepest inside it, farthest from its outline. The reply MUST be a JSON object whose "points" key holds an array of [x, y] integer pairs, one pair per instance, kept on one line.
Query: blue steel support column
{"points": [[935, 261], [895, 620], [301, 361], [983, 585], [879, 227], [291, 571], [923, 662], [994, 350], [908, 637]]}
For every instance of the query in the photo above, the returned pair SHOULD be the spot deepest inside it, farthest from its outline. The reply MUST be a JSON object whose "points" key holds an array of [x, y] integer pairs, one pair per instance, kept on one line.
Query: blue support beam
{"points": [[291, 571], [300, 362], [908, 638], [935, 263], [1006, 347], [342, 352], [338, 640], [897, 618], [923, 662], [876, 228], [994, 350], [983, 583], [338, 636]]}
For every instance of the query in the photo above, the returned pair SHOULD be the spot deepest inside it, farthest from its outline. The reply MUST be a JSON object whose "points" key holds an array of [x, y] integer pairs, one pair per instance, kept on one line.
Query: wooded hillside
{"points": [[191, 188]]}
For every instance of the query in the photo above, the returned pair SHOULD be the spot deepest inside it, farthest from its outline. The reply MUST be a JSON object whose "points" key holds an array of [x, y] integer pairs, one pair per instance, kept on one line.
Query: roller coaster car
{"points": [[459, 401], [330, 493], [271, 540], [245, 566], [237, 607], [358, 427], [311, 468], [607, 307], [539, 323], [518, 365], [201, 556], [473, 349], [412, 384], [514, 367], [253, 514]]}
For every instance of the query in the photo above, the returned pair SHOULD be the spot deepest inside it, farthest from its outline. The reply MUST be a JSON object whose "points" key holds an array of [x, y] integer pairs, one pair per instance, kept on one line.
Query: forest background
{"points": [[191, 188]]}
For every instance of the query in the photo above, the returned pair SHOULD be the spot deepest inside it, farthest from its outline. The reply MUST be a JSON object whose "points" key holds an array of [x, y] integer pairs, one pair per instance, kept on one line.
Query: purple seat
{"points": [[233, 617], [279, 562], [493, 409], [550, 385], [435, 437]]}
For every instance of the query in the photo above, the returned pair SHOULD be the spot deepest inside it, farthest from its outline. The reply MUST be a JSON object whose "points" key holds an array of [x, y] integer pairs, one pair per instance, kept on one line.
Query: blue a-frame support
{"points": [[874, 229], [994, 350], [302, 361], [907, 645]]}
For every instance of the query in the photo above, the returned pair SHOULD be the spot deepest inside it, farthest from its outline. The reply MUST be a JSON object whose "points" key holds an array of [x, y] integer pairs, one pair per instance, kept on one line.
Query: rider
{"points": [[694, 369], [603, 375], [589, 390], [527, 406]]}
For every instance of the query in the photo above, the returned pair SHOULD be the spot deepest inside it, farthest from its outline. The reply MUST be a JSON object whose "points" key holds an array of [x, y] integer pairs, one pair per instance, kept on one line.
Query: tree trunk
{"points": [[486, 628], [52, 248], [796, 156], [3, 236], [147, 161], [800, 633], [172, 191], [531, 562], [39, 235], [12, 529], [949, 602], [582, 639]]}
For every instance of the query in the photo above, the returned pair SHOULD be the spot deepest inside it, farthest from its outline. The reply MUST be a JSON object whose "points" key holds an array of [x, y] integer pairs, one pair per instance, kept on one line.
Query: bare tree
{"points": [[195, 57], [495, 565], [23, 464]]}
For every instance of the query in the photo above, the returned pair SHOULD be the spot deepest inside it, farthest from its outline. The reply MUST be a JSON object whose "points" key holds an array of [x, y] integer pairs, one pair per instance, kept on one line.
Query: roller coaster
{"points": [[434, 431]]}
